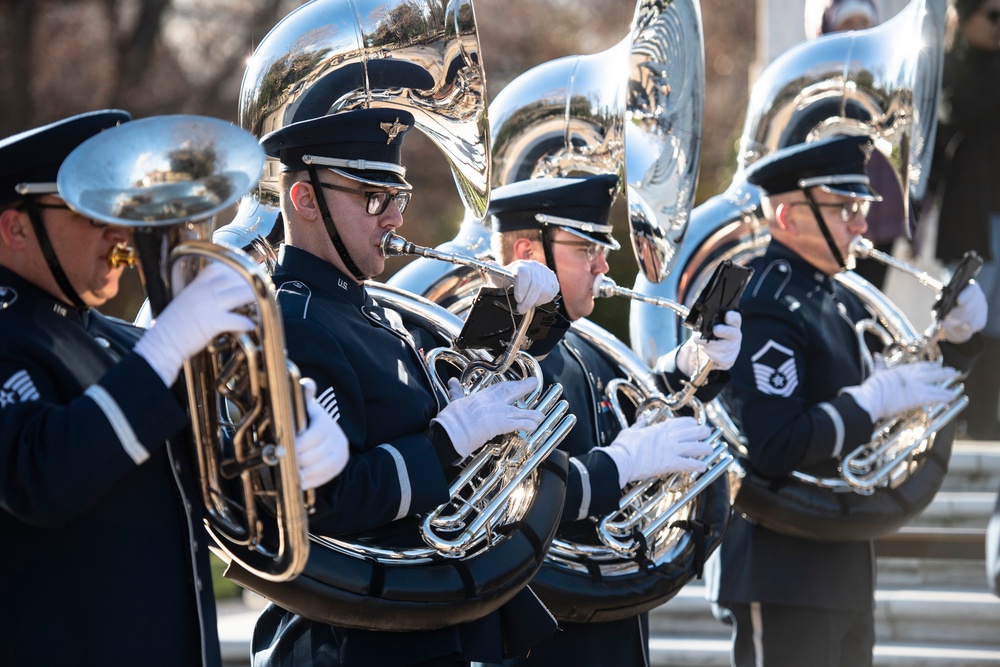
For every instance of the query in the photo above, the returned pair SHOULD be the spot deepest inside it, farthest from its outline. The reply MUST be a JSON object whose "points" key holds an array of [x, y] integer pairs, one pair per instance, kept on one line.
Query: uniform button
{"points": [[103, 342], [177, 467], [187, 506], [194, 546], [197, 584]]}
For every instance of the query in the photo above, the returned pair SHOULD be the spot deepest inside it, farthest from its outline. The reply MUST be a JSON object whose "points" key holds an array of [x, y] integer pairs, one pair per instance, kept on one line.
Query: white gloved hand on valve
{"points": [[473, 420], [534, 284], [894, 390], [194, 318], [675, 445], [321, 448], [723, 350], [967, 317]]}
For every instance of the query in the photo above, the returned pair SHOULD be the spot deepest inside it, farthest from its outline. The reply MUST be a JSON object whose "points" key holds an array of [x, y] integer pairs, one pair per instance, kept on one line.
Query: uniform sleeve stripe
{"points": [[120, 424], [405, 491], [838, 428], [584, 486], [328, 401]]}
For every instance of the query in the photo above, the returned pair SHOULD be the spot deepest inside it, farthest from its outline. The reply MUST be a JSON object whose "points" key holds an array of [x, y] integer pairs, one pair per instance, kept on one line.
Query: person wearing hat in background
{"points": [[106, 559], [563, 222], [342, 187], [963, 181], [800, 396]]}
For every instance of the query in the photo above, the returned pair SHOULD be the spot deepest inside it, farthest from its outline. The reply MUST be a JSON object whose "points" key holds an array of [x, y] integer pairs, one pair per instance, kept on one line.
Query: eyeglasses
{"points": [[848, 209], [592, 250], [64, 207], [378, 200]]}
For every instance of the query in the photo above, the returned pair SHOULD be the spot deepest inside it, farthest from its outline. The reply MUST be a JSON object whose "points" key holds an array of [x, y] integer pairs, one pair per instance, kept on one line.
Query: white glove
{"points": [[968, 316], [723, 351], [641, 451], [893, 390], [194, 318], [321, 449], [471, 421], [534, 284]]}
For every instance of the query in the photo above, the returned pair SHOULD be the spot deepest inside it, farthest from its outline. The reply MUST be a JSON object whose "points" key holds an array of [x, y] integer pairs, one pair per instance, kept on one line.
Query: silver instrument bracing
{"points": [[885, 82], [166, 177]]}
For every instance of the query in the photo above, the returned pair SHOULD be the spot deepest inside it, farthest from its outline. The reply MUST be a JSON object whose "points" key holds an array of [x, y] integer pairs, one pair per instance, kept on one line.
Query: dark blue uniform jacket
{"points": [[799, 350], [370, 379], [105, 558]]}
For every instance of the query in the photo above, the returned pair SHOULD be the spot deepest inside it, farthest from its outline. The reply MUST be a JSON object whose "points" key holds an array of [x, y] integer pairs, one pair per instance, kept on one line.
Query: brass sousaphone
{"points": [[884, 82]]}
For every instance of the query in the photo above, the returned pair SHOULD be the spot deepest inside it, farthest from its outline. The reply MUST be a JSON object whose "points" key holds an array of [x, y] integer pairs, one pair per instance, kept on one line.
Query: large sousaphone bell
{"points": [[166, 178], [421, 56], [883, 82], [635, 110]]}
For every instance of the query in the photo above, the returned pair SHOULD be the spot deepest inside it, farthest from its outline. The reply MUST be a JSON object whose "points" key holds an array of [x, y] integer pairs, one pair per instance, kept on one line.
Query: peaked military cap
{"points": [[362, 144], [29, 161], [837, 165], [581, 206]]}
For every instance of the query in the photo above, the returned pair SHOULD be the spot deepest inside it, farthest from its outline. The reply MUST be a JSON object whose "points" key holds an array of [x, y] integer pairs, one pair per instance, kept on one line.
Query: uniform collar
{"points": [[799, 266], [320, 275], [16, 292]]}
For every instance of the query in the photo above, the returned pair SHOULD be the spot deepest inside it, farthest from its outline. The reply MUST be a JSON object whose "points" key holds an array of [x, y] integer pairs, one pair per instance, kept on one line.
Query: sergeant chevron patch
{"points": [[774, 370], [17, 389]]}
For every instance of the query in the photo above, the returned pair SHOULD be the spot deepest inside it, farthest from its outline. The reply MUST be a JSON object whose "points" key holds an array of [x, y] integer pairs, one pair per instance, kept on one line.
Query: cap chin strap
{"points": [[331, 229], [834, 250], [49, 253], [550, 261]]}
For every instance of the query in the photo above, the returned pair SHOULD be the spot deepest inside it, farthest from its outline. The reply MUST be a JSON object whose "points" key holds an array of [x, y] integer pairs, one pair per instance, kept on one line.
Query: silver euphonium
{"points": [[884, 82], [481, 496], [649, 511], [166, 178]]}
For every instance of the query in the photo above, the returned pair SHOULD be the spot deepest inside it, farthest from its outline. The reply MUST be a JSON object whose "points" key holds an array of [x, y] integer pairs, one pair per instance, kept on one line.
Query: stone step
{"points": [[714, 652], [939, 615], [958, 509], [900, 573]]}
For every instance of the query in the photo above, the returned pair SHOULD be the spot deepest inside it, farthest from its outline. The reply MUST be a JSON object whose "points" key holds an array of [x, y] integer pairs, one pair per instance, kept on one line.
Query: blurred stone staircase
{"points": [[933, 604]]}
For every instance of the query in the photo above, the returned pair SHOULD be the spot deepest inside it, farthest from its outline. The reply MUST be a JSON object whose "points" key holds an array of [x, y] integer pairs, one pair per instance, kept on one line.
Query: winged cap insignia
{"points": [[393, 129]]}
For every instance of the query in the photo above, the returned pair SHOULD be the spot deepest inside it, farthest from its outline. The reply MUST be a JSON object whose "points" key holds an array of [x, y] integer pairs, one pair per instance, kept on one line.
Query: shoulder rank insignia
{"points": [[774, 370], [17, 389]]}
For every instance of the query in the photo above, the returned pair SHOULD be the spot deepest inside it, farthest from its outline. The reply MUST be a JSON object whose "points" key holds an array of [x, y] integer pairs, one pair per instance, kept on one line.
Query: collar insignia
{"points": [[393, 129], [8, 295]]}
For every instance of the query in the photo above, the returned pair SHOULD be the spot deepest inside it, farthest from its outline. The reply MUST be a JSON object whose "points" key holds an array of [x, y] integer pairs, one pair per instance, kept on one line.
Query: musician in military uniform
{"points": [[105, 558], [564, 223], [800, 396], [342, 188]]}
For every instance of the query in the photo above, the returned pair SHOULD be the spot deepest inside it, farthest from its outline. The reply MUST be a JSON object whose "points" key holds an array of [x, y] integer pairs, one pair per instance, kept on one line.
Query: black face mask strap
{"points": [[49, 253], [834, 250], [331, 229]]}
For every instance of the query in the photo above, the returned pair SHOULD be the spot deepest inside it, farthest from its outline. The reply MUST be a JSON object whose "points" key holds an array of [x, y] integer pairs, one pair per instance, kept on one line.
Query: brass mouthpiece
{"points": [[121, 255]]}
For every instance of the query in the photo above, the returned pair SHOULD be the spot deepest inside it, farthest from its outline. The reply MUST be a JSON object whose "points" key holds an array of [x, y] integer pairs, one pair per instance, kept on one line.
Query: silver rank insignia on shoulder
{"points": [[8, 295], [17, 389], [774, 370]]}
